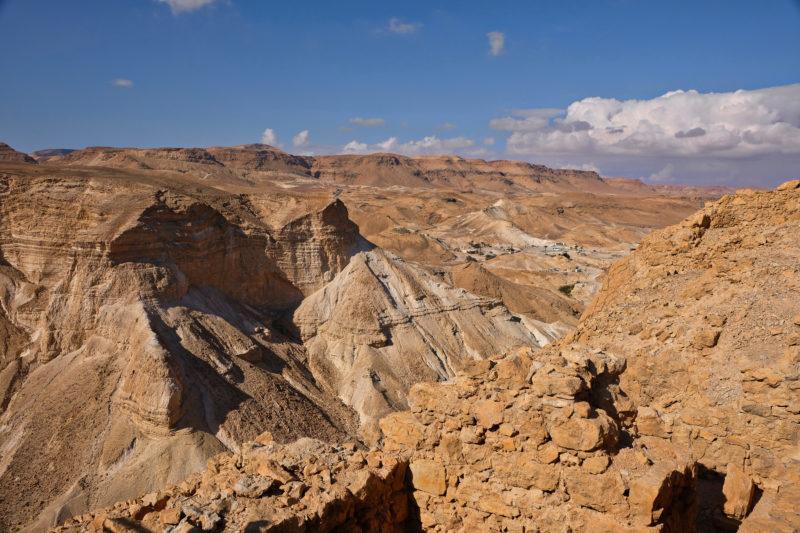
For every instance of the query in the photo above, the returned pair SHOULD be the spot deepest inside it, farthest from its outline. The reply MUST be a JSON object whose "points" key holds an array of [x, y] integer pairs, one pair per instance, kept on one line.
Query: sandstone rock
{"points": [[524, 471], [428, 476], [585, 434], [739, 491], [253, 487], [596, 465], [585, 489], [402, 428], [657, 490], [706, 339], [488, 413], [789, 185]]}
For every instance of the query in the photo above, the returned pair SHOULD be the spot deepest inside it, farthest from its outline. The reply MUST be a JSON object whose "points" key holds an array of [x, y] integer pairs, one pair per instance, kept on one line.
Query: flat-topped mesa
{"points": [[260, 157], [451, 172]]}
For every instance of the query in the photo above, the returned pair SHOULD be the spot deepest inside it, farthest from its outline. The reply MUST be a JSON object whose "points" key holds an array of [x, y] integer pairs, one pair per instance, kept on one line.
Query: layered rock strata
{"points": [[360, 329]]}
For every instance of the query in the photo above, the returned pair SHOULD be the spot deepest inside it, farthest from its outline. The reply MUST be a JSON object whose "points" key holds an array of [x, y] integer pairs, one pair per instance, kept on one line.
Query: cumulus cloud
{"points": [[678, 123], [445, 126], [399, 27], [301, 139], [681, 135], [497, 41], [489, 141], [367, 121], [180, 6], [269, 137], [425, 146], [121, 82]]}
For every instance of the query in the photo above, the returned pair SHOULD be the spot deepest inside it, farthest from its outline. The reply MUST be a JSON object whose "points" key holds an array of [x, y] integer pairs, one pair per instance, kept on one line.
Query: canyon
{"points": [[242, 339]]}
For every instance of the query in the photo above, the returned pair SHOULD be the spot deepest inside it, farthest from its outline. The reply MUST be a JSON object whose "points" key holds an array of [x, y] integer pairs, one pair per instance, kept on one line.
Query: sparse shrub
{"points": [[566, 289]]}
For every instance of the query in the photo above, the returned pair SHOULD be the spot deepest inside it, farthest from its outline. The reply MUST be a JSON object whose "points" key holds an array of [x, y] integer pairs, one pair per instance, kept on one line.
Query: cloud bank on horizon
{"points": [[682, 134]]}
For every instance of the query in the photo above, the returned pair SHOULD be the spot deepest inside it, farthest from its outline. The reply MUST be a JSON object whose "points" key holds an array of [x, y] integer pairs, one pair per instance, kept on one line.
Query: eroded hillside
{"points": [[672, 407], [150, 319]]}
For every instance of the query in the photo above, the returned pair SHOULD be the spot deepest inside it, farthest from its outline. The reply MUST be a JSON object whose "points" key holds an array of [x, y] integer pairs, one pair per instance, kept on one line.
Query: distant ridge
{"points": [[258, 161]]}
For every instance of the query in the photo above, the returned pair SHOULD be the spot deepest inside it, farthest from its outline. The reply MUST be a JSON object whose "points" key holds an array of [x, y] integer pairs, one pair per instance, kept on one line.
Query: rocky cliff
{"points": [[148, 323], [139, 326]]}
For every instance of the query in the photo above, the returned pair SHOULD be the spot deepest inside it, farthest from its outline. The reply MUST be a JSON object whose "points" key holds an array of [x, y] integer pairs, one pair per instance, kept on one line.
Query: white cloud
{"points": [[398, 27], [355, 147], [301, 139], [121, 82], [662, 176], [445, 126], [180, 6], [744, 137], [677, 124], [367, 121], [269, 137], [427, 145], [488, 141], [497, 41]]}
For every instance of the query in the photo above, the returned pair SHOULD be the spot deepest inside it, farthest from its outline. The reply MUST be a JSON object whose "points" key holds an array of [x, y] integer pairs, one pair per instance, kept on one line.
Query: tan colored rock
{"points": [[789, 185], [739, 491], [428, 476], [524, 471], [488, 413], [706, 338], [596, 465], [596, 491], [585, 434], [402, 428]]}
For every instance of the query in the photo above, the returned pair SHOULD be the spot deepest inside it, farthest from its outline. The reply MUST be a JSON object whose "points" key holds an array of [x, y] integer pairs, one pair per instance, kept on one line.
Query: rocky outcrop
{"points": [[708, 313], [360, 330], [304, 486], [534, 442]]}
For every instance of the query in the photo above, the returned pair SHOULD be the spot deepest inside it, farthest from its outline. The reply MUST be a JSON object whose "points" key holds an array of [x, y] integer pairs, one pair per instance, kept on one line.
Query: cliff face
{"points": [[139, 330]]}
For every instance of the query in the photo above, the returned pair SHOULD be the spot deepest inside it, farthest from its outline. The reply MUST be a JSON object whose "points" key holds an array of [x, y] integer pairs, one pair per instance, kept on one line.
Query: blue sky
{"points": [[467, 77]]}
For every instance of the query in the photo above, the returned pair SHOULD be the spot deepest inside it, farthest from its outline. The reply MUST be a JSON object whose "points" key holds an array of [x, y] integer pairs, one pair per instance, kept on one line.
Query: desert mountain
{"points": [[149, 322], [9, 155], [254, 162], [672, 407]]}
